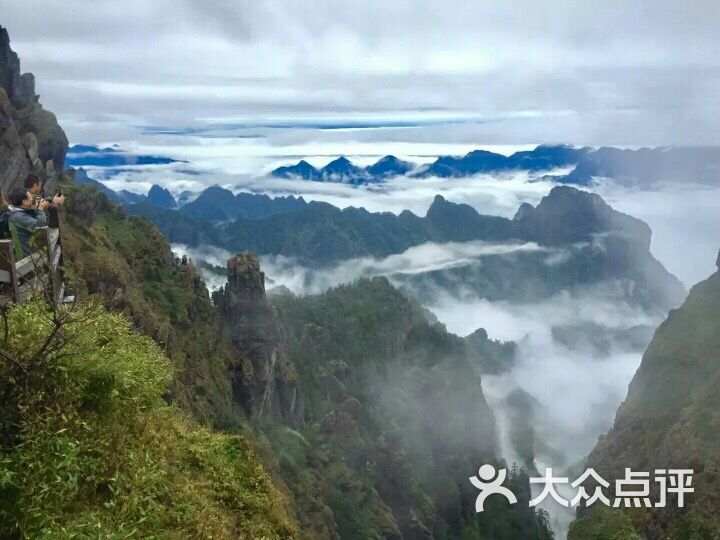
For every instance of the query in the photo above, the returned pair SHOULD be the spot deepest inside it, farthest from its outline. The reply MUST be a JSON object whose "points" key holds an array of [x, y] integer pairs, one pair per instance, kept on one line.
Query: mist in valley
{"points": [[577, 350]]}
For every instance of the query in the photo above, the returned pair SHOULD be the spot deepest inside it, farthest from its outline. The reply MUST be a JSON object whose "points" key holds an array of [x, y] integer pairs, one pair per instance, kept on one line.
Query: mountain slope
{"points": [[91, 449], [279, 379], [395, 417], [671, 416]]}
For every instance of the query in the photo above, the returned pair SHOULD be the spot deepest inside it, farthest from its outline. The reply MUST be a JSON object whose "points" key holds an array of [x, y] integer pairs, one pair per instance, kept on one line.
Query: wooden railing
{"points": [[41, 271]]}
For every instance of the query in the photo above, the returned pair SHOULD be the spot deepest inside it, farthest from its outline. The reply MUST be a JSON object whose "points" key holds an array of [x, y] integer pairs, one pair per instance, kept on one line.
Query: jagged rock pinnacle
{"points": [[263, 377], [244, 274]]}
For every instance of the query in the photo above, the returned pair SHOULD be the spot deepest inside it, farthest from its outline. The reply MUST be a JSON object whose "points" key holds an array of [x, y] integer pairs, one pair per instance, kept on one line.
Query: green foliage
{"points": [[129, 266], [396, 421], [694, 527], [364, 464], [603, 523], [93, 450], [363, 319]]}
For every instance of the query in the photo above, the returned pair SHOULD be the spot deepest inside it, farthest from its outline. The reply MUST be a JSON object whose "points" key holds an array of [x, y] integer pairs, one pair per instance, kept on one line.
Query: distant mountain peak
{"points": [[442, 207], [343, 170], [341, 164], [302, 169], [161, 197], [390, 166]]}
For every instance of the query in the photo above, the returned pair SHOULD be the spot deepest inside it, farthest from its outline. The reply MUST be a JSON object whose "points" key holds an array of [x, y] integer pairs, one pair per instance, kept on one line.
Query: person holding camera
{"points": [[27, 213], [32, 184]]}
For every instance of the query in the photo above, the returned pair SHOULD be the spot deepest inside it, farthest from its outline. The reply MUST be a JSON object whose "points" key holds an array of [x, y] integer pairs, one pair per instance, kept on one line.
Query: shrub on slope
{"points": [[91, 449]]}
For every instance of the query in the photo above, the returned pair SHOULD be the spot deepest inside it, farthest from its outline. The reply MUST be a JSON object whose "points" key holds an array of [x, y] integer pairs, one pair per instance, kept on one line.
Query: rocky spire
{"points": [[263, 377], [30, 136], [20, 88], [9, 66]]}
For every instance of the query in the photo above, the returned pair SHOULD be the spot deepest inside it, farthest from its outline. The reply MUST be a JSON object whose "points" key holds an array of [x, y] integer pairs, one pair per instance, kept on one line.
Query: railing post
{"points": [[8, 274], [17, 278], [55, 244], [52, 238]]}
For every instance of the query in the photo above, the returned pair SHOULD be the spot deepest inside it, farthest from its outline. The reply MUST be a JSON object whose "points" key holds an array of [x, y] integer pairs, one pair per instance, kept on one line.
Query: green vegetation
{"points": [[671, 417], [91, 449], [396, 421], [603, 523], [394, 417], [128, 265]]}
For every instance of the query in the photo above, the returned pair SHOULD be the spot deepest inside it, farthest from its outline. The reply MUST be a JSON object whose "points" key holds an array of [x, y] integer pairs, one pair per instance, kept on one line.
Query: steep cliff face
{"points": [[263, 378], [671, 418], [31, 141]]}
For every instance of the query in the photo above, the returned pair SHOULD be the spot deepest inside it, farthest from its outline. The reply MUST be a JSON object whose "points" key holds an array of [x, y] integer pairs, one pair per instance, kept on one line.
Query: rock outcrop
{"points": [[263, 377], [31, 141]]}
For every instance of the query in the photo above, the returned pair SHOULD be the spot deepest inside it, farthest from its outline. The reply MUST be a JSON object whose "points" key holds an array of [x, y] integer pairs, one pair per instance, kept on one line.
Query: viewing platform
{"points": [[41, 271]]}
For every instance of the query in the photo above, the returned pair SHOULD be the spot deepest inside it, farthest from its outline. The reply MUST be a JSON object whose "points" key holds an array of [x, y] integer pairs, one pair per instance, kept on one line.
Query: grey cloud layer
{"points": [[604, 72]]}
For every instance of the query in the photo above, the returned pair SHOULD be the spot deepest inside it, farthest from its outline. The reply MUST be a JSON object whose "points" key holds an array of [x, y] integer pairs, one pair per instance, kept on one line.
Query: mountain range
{"points": [[85, 155], [343, 171], [578, 240], [561, 163], [644, 166]]}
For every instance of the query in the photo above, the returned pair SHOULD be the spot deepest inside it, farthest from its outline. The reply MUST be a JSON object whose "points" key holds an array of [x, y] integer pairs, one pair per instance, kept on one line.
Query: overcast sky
{"points": [[524, 72]]}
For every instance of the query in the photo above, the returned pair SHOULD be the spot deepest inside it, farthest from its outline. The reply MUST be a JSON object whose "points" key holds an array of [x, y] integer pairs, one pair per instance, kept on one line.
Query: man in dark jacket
{"points": [[26, 215]]}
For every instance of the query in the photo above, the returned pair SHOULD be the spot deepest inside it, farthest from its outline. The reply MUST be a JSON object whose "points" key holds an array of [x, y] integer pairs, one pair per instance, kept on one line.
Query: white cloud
{"points": [[619, 73]]}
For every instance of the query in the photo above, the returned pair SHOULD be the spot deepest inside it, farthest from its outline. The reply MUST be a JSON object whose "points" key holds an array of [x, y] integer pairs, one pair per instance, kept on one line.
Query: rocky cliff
{"points": [[263, 378], [31, 141], [671, 419]]}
